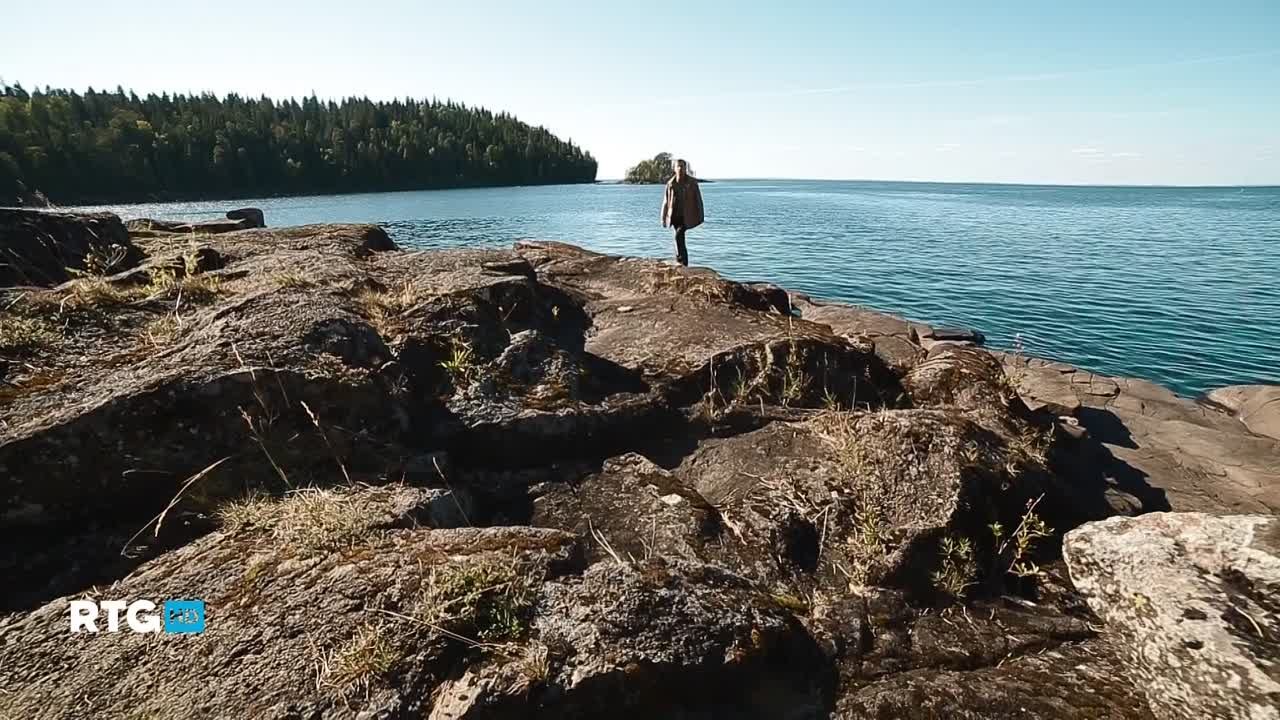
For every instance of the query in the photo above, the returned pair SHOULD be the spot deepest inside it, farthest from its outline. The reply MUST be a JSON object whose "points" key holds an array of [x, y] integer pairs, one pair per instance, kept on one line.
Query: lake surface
{"points": [[1176, 285]]}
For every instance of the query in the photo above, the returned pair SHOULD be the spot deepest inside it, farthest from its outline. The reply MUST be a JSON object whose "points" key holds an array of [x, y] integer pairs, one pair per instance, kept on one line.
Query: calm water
{"points": [[1180, 286]]}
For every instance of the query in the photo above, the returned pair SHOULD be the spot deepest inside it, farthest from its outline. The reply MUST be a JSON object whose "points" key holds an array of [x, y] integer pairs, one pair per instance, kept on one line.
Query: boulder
{"points": [[248, 217], [969, 378], [49, 248], [1194, 602]]}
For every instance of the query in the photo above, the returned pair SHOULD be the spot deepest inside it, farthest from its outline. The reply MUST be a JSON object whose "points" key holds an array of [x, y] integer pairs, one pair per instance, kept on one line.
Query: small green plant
{"points": [[830, 402], [868, 544], [1013, 552], [795, 382], [972, 454], [957, 570], [1032, 447], [461, 364], [489, 598]]}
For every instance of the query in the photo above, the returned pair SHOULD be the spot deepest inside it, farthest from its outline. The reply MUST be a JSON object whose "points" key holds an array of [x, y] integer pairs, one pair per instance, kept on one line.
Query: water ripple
{"points": [[1180, 286]]}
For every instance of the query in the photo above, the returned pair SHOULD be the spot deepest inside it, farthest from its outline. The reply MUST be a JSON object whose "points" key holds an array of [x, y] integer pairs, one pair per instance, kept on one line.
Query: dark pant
{"points": [[682, 255]]}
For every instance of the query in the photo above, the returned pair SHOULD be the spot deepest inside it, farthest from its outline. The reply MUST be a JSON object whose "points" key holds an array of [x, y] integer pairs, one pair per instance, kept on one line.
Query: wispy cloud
{"points": [[969, 82], [1125, 154], [1086, 151]]}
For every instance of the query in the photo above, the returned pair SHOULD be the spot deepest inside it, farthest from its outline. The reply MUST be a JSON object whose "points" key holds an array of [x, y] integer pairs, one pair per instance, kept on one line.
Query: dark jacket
{"points": [[690, 203]]}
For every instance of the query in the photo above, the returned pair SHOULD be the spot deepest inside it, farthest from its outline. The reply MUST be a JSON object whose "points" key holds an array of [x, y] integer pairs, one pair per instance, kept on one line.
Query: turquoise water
{"points": [[1176, 285]]}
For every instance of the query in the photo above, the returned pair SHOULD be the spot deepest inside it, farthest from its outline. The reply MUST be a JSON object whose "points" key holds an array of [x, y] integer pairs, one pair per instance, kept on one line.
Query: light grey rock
{"points": [[1195, 601]]}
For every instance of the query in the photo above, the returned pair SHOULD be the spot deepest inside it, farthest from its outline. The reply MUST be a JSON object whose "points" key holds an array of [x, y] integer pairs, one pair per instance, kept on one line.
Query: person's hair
{"points": [[680, 161]]}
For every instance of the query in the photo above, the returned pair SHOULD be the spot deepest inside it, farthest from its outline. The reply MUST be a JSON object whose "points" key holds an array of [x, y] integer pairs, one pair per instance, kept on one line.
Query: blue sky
{"points": [[1169, 92]]}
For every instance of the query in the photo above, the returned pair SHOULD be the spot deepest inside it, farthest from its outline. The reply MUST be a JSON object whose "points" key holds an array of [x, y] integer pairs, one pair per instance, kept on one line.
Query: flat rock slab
{"points": [[1048, 389], [1257, 406], [661, 320], [892, 335], [1201, 458], [1195, 601]]}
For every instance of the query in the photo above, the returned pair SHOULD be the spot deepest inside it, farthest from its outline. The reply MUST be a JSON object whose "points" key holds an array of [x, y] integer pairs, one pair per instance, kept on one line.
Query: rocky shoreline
{"points": [[548, 482]]}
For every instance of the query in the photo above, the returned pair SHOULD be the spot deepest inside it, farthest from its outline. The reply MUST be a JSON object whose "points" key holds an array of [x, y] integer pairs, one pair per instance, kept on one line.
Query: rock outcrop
{"points": [[43, 248], [1195, 601], [530, 482]]}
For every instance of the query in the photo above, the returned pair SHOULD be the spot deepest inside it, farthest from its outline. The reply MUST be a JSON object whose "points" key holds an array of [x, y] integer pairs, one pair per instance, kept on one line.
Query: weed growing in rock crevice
{"points": [[488, 598], [461, 364], [352, 667], [957, 570], [1013, 552]]}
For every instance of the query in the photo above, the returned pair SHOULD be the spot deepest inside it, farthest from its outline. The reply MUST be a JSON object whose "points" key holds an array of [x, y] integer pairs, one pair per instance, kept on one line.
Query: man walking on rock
{"points": [[682, 207]]}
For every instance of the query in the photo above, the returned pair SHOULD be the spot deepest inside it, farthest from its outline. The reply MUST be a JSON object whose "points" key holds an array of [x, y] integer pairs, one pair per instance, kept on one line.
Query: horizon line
{"points": [[978, 182]]}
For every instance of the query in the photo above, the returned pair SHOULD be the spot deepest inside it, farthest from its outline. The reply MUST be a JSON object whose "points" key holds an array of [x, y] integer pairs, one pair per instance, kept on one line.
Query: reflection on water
{"points": [[1181, 286]]}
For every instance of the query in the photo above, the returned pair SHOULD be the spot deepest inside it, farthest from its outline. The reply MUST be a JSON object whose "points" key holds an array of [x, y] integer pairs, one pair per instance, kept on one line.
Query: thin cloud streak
{"points": [[966, 82]]}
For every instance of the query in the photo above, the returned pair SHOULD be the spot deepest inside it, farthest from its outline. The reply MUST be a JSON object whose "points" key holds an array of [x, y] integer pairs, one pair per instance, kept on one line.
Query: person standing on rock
{"points": [[682, 207]]}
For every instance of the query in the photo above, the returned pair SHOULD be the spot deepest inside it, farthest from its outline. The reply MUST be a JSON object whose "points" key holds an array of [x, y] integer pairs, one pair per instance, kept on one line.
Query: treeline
{"points": [[101, 146]]}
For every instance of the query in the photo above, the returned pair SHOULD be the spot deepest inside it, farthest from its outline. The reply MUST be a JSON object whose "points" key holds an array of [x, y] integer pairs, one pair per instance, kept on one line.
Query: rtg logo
{"points": [[178, 616]]}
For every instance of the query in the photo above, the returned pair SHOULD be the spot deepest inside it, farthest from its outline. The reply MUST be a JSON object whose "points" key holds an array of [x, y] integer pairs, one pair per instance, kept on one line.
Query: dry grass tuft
{"points": [[311, 519], [164, 330], [289, 279], [190, 288], [384, 306], [351, 668], [668, 278], [534, 663], [100, 293], [487, 597]]}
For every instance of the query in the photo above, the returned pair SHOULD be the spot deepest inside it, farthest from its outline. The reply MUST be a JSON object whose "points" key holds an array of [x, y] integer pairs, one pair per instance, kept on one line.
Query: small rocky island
{"points": [[545, 482]]}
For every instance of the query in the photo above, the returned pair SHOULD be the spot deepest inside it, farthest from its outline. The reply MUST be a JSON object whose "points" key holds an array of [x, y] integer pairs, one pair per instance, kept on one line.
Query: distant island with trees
{"points": [[656, 171], [117, 146]]}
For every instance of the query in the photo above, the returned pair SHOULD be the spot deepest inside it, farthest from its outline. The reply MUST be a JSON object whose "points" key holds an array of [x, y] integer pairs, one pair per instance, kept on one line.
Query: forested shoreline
{"points": [[117, 146]]}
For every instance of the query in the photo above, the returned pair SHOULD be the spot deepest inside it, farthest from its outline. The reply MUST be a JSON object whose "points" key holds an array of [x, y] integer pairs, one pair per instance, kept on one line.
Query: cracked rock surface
{"points": [[548, 482]]}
